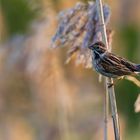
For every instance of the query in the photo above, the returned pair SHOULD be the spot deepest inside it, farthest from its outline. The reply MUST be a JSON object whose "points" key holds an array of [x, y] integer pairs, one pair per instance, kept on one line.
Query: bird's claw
{"points": [[110, 85]]}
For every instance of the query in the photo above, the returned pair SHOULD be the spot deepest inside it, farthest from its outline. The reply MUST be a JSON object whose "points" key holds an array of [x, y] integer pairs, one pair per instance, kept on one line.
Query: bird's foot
{"points": [[115, 82], [110, 85]]}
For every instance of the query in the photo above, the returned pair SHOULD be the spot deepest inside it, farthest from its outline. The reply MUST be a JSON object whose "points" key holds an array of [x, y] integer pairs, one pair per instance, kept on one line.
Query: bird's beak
{"points": [[91, 47]]}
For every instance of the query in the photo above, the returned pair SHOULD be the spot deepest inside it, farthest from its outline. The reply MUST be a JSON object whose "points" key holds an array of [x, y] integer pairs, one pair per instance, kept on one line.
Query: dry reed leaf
{"points": [[134, 80], [137, 104]]}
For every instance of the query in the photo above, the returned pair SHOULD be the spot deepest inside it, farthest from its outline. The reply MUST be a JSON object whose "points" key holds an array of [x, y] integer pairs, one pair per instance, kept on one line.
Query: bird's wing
{"points": [[113, 64], [128, 64]]}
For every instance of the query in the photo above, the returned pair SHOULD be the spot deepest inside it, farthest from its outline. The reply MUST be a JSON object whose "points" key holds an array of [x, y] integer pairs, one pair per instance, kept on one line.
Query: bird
{"points": [[109, 64]]}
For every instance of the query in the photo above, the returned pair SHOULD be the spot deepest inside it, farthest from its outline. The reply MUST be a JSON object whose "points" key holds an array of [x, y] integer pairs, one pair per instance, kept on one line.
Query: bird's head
{"points": [[98, 47]]}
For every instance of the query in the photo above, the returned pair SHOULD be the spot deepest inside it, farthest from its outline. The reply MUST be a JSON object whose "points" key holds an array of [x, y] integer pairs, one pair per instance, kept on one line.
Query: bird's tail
{"points": [[138, 67]]}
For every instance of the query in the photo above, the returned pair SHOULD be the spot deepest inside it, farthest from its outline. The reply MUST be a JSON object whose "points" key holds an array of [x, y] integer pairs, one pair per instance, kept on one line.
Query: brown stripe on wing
{"points": [[114, 66], [122, 61], [117, 60], [128, 64]]}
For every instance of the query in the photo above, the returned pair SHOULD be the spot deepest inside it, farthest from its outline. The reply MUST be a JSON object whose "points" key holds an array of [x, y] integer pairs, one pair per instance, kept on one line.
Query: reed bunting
{"points": [[109, 64]]}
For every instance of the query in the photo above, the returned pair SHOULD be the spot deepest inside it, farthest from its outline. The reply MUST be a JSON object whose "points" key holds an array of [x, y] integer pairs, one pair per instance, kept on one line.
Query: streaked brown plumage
{"points": [[111, 65]]}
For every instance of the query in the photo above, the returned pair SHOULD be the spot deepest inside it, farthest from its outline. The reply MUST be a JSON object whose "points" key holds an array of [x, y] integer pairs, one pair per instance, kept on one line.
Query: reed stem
{"points": [[109, 90]]}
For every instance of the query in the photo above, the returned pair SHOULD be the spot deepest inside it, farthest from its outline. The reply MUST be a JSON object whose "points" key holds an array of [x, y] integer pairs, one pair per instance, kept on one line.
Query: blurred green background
{"points": [[41, 98]]}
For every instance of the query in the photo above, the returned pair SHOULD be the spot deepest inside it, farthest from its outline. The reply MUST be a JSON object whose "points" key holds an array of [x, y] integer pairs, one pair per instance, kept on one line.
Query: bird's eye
{"points": [[97, 47]]}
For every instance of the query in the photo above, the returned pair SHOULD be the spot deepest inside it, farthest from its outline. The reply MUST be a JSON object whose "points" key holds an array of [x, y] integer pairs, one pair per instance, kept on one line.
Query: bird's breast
{"points": [[96, 64]]}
